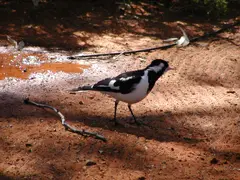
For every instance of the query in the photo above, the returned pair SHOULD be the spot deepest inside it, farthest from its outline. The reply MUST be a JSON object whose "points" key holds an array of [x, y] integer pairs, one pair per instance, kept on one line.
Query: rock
{"points": [[231, 92], [100, 151], [28, 145], [90, 163], [91, 97], [81, 102], [214, 161]]}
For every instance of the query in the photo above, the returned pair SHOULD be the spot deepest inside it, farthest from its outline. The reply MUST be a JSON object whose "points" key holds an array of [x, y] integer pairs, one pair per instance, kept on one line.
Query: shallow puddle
{"points": [[23, 65]]}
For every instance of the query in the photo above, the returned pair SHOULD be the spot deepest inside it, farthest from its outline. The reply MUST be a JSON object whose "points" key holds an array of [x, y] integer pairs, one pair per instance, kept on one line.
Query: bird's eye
{"points": [[161, 65]]}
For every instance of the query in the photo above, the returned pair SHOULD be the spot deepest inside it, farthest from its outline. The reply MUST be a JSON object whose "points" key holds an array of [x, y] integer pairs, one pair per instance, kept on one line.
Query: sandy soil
{"points": [[192, 115]]}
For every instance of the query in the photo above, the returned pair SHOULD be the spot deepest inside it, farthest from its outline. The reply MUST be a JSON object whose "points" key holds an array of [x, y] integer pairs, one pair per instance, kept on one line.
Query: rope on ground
{"points": [[206, 35], [64, 123]]}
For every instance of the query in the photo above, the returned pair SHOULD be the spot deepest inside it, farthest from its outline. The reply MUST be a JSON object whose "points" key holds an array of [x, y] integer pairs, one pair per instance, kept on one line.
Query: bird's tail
{"points": [[82, 88]]}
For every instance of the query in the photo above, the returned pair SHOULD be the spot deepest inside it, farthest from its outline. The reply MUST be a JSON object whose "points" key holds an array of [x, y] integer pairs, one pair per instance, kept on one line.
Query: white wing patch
{"points": [[138, 94], [126, 79], [111, 85], [157, 68]]}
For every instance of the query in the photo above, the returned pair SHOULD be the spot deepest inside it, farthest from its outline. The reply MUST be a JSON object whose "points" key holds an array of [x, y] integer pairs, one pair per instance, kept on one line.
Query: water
{"points": [[22, 65]]}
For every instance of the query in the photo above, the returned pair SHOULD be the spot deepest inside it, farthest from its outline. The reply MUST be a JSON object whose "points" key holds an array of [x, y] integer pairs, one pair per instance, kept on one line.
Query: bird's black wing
{"points": [[123, 83], [103, 85], [128, 81]]}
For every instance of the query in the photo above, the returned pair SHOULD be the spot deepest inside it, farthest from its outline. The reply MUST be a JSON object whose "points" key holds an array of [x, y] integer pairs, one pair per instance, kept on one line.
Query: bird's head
{"points": [[159, 66]]}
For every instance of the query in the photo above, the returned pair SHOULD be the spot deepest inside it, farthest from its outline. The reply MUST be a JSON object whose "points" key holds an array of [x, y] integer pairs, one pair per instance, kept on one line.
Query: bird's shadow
{"points": [[162, 127]]}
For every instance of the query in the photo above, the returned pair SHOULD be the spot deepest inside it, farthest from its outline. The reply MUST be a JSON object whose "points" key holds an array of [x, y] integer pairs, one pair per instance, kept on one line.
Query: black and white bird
{"points": [[130, 87]]}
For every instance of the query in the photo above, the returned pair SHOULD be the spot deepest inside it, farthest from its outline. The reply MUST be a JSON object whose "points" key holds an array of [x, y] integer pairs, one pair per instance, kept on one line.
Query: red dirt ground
{"points": [[192, 115]]}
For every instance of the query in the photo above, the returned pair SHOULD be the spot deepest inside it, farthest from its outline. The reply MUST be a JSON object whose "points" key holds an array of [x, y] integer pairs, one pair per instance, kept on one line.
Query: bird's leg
{"points": [[115, 112], [135, 120]]}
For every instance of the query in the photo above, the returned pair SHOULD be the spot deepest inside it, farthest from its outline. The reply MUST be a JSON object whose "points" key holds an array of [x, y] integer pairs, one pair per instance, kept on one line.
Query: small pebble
{"points": [[90, 163], [28, 145], [231, 92], [100, 151], [81, 102], [214, 161]]}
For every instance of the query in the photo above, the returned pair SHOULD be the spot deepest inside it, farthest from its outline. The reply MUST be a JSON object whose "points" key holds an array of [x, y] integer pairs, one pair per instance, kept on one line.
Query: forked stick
{"points": [[66, 125]]}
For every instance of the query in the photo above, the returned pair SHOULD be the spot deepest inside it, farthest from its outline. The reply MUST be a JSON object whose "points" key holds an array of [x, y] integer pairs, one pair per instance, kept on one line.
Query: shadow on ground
{"points": [[69, 25], [163, 127], [69, 152]]}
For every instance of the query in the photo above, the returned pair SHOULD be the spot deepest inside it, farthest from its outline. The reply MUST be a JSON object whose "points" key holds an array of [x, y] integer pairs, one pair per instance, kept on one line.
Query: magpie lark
{"points": [[130, 87]]}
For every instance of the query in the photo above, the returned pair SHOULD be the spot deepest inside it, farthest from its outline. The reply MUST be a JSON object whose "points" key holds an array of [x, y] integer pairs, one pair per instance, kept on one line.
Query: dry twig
{"points": [[206, 35], [64, 123]]}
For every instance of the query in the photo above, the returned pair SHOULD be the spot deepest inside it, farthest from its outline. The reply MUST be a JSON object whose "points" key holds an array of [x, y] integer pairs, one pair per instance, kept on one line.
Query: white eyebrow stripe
{"points": [[157, 68]]}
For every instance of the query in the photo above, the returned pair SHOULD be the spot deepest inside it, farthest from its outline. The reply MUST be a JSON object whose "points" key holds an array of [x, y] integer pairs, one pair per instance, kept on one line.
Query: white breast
{"points": [[135, 96]]}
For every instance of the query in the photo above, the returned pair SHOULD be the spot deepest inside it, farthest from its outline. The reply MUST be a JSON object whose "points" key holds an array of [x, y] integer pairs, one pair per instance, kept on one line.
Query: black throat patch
{"points": [[152, 78]]}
